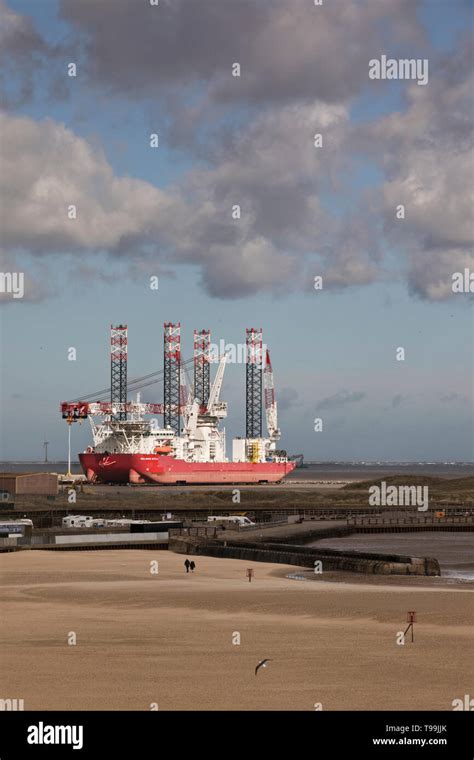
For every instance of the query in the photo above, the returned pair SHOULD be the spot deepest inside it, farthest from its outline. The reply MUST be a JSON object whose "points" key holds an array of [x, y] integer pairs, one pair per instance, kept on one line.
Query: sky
{"points": [[306, 211]]}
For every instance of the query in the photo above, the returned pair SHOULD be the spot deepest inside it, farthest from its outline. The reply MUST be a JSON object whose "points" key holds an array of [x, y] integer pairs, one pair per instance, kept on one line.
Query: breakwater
{"points": [[304, 556]]}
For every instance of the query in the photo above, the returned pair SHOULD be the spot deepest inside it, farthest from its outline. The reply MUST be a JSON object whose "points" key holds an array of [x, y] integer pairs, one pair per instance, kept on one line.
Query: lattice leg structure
{"points": [[202, 368], [253, 396], [118, 367], [172, 366]]}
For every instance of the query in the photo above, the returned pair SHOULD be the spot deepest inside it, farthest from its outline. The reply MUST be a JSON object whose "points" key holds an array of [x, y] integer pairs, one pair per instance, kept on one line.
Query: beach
{"points": [[166, 639]]}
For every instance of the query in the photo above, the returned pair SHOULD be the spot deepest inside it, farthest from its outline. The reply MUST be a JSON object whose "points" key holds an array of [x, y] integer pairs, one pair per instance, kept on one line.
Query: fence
{"points": [[197, 530], [419, 519]]}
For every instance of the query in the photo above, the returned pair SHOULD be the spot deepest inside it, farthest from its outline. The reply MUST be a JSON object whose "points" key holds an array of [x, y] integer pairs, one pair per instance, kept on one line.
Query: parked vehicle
{"points": [[239, 520], [78, 521], [11, 528]]}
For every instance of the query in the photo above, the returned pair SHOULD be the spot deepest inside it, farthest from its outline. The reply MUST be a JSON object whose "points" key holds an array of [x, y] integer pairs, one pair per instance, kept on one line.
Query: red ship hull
{"points": [[166, 470]]}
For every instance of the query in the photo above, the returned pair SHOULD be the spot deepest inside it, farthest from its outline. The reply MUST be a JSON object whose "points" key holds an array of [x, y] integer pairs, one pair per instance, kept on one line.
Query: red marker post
{"points": [[411, 620]]}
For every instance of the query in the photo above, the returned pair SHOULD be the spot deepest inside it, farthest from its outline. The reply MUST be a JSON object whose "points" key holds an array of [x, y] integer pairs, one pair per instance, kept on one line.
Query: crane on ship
{"points": [[214, 407], [274, 432]]}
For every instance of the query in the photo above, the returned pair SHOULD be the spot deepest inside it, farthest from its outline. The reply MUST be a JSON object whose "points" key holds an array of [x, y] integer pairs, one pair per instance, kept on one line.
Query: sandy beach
{"points": [[168, 638]]}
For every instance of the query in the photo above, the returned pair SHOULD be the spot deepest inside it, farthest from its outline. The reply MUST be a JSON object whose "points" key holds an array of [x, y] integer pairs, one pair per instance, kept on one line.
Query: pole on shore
{"points": [[69, 473]]}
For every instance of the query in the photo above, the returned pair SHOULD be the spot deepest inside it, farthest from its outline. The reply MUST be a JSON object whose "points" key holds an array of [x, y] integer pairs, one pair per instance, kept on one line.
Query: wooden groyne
{"points": [[304, 556]]}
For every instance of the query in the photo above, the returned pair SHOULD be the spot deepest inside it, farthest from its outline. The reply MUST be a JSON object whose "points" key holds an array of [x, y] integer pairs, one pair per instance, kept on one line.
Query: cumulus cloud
{"points": [[340, 399], [47, 169], [286, 49], [426, 152], [294, 83], [285, 235]]}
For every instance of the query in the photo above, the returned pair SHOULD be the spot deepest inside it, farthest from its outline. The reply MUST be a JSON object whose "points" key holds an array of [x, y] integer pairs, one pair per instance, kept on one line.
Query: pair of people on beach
{"points": [[189, 565]]}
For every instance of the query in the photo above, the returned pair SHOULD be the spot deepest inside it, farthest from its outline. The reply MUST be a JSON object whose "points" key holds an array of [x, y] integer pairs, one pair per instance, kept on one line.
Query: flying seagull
{"points": [[261, 664]]}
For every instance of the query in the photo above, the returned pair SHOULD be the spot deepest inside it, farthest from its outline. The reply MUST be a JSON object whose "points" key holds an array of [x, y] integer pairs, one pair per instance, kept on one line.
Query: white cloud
{"points": [[427, 154], [45, 169]]}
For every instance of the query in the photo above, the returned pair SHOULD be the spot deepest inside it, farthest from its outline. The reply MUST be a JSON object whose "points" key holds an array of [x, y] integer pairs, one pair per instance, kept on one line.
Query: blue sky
{"points": [[333, 351]]}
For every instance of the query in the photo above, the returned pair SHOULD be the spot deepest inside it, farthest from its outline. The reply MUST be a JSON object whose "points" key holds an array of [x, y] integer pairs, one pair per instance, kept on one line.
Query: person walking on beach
{"points": [[187, 564], [192, 565]]}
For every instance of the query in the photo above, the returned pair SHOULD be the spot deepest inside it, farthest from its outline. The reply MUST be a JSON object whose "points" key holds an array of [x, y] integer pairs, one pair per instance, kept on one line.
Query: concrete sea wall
{"points": [[302, 556]]}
